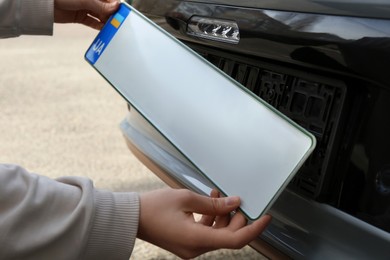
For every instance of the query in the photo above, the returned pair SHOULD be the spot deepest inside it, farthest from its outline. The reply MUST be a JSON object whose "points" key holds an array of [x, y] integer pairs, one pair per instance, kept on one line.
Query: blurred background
{"points": [[60, 118]]}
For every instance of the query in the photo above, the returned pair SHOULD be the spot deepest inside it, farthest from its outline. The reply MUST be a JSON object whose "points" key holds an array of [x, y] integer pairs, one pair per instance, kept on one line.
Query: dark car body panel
{"points": [[326, 65]]}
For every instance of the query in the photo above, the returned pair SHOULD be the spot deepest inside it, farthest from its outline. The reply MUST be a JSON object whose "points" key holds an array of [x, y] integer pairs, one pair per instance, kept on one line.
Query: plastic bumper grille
{"points": [[313, 105]]}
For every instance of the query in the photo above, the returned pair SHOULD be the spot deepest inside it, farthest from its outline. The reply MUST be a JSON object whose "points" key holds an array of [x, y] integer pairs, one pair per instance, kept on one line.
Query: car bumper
{"points": [[327, 233]]}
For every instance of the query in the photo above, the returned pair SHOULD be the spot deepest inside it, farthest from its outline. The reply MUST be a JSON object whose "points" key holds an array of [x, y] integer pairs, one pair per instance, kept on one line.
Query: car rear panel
{"points": [[326, 66]]}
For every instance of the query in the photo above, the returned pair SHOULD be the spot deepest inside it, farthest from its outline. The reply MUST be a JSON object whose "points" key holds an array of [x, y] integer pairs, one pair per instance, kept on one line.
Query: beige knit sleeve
{"points": [[115, 226], [18, 17], [41, 218]]}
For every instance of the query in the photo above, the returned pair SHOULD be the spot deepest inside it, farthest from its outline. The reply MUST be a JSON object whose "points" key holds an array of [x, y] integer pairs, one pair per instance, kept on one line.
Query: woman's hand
{"points": [[167, 220], [92, 13]]}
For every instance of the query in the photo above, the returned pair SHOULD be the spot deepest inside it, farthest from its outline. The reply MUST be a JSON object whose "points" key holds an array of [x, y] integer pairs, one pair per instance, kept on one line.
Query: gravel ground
{"points": [[59, 117]]}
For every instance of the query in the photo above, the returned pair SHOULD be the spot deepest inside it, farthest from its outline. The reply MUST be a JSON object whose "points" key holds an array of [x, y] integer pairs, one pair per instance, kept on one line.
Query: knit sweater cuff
{"points": [[115, 226], [36, 17]]}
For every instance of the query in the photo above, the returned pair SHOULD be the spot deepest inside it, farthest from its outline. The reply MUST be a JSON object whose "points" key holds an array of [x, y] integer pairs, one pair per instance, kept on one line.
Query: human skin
{"points": [[92, 13], [167, 220]]}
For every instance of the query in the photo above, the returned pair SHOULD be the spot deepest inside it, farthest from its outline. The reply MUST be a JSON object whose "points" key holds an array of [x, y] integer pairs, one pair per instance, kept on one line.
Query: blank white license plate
{"points": [[239, 142]]}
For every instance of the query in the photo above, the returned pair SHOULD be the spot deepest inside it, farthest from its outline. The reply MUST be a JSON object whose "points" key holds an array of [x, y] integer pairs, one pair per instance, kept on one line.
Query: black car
{"points": [[326, 65]]}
